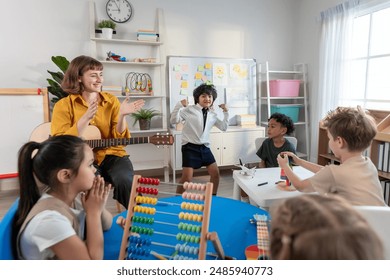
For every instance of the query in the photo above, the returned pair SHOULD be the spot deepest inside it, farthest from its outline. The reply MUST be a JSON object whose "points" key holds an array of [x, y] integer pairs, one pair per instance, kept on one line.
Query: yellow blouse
{"points": [[68, 110]]}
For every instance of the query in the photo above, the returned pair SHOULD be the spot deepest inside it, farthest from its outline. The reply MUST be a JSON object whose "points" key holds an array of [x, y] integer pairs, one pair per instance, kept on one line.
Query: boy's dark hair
{"points": [[205, 88], [353, 125], [285, 121]]}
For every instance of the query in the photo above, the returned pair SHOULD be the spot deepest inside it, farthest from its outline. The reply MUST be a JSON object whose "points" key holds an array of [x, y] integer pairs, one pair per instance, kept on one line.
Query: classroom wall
{"points": [[282, 32], [259, 29]]}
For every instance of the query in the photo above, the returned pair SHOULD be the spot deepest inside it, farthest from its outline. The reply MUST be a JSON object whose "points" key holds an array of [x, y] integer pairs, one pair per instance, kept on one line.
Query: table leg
{"points": [[236, 191]]}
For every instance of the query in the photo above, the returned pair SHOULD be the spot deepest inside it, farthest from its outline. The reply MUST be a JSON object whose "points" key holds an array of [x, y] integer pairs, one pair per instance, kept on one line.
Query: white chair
{"points": [[259, 141], [379, 219]]}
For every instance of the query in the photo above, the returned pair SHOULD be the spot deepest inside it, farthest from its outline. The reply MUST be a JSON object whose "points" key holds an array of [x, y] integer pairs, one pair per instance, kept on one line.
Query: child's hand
{"points": [[95, 199], [292, 156], [223, 107], [282, 159], [184, 102]]}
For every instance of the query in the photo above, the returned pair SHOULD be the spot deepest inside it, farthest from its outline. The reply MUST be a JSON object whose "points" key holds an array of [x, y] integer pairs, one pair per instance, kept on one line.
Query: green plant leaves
{"points": [[61, 62], [146, 114], [55, 82]]}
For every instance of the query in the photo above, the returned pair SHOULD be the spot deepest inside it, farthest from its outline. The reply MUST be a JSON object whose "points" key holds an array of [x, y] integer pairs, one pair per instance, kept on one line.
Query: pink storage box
{"points": [[283, 88]]}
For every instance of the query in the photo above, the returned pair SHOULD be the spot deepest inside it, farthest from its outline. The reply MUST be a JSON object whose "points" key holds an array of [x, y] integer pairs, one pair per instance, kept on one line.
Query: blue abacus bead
{"points": [[147, 252]]}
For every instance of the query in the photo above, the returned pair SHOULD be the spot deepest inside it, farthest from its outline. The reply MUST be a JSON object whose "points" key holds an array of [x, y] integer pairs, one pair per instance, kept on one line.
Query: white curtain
{"points": [[336, 32]]}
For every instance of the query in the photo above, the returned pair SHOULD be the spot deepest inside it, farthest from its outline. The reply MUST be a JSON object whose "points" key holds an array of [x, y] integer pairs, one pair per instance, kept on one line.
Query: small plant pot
{"points": [[144, 124], [107, 33]]}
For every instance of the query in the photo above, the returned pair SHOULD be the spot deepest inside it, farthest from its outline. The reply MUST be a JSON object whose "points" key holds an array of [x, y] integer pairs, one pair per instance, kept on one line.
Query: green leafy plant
{"points": [[144, 114], [106, 23], [54, 86]]}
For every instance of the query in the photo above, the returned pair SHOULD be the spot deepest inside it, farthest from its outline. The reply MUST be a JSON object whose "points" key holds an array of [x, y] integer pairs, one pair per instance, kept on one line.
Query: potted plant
{"points": [[144, 117], [54, 86], [107, 27]]}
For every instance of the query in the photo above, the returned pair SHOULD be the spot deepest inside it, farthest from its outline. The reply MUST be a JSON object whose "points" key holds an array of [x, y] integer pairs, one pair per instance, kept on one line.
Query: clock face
{"points": [[119, 10]]}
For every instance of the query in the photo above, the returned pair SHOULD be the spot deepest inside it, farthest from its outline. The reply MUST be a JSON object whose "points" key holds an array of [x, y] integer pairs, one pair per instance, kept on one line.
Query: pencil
{"points": [[262, 184]]}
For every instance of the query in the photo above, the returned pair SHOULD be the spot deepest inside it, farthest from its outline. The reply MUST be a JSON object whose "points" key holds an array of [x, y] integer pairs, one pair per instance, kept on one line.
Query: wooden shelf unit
{"points": [[382, 119]]}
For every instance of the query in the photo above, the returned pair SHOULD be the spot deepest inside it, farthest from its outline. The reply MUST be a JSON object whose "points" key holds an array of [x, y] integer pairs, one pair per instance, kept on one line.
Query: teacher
{"points": [[87, 105]]}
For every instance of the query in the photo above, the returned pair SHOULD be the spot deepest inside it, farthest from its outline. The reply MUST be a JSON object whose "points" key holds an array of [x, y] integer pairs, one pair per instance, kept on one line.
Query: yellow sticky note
{"points": [[184, 84], [198, 75], [207, 65]]}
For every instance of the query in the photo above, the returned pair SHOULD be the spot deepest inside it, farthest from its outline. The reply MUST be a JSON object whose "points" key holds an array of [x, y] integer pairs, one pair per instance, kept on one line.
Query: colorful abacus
{"points": [[191, 238]]}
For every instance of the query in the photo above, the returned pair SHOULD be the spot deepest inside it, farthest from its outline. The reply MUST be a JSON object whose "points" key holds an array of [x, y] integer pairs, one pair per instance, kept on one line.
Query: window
{"points": [[368, 70]]}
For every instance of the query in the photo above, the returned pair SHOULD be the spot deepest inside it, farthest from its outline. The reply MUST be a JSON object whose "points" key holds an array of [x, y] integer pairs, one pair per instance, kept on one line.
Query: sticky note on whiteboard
{"points": [[184, 84]]}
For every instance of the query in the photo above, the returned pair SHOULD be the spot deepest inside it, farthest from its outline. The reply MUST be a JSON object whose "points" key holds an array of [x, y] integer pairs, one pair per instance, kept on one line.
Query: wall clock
{"points": [[119, 10]]}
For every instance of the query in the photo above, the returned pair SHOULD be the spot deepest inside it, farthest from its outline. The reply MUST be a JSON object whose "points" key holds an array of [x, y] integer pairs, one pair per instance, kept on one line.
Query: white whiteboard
{"points": [[234, 79], [20, 113]]}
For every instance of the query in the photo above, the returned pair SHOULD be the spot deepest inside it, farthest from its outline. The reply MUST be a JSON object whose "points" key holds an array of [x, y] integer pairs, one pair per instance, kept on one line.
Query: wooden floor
{"points": [[7, 197]]}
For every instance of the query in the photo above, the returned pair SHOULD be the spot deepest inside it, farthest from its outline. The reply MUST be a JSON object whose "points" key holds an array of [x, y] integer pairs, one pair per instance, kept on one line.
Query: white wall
{"points": [[259, 29], [282, 32]]}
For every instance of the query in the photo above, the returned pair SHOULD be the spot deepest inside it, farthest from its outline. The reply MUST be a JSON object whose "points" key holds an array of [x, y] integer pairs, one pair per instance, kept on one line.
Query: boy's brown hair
{"points": [[354, 125], [316, 227]]}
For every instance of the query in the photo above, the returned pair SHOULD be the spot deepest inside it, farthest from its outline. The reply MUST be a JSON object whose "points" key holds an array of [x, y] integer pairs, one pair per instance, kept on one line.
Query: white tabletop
{"points": [[266, 194]]}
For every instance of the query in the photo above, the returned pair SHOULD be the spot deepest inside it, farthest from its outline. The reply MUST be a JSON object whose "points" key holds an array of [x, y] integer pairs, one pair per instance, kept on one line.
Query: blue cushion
{"points": [[6, 233]]}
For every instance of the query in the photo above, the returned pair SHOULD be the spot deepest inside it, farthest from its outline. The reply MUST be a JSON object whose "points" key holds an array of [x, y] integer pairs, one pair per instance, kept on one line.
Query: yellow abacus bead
{"points": [[200, 218], [181, 215]]}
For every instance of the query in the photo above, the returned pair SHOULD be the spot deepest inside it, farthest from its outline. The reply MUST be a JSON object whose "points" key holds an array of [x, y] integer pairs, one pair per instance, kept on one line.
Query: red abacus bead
{"points": [[140, 179], [155, 192], [156, 182]]}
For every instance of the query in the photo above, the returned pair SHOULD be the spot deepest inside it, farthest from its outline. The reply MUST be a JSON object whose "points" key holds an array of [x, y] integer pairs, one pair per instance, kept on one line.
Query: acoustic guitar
{"points": [[93, 137], [260, 251]]}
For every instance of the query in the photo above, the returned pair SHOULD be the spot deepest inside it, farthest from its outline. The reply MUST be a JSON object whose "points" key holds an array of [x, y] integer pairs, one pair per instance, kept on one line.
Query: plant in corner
{"points": [[144, 117], [55, 83]]}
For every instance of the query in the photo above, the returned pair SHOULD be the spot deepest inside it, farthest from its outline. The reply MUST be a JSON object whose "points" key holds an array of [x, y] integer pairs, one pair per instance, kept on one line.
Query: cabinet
{"points": [[227, 147], [382, 119], [299, 103], [143, 156]]}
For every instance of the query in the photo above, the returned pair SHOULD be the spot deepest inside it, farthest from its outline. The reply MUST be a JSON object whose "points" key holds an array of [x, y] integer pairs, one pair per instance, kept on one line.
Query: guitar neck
{"points": [[102, 143]]}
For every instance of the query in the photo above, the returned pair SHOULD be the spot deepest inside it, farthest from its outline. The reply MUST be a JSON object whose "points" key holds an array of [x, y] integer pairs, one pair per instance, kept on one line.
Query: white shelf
{"points": [[123, 41], [284, 72], [141, 96], [142, 156], [282, 98], [300, 73], [131, 63]]}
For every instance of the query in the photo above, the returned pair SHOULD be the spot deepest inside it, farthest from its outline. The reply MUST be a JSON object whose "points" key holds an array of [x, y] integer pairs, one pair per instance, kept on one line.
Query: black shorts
{"points": [[196, 156]]}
